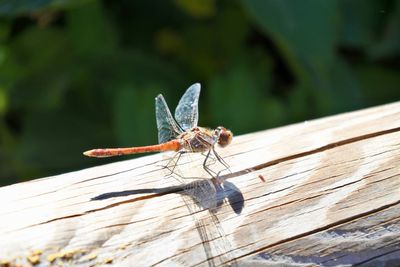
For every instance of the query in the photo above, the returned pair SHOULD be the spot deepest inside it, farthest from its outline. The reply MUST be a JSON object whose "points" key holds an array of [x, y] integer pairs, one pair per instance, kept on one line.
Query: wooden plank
{"points": [[331, 196]]}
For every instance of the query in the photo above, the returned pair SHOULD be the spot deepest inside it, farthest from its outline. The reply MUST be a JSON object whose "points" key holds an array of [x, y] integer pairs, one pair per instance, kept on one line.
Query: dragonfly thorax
{"points": [[199, 139]]}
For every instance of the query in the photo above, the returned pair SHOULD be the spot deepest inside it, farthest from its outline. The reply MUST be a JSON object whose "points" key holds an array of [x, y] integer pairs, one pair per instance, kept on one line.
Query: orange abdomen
{"points": [[173, 145]]}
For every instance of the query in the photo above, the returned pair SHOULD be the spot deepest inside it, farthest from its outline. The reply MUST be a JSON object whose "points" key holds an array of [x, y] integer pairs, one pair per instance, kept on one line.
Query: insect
{"points": [[180, 134]]}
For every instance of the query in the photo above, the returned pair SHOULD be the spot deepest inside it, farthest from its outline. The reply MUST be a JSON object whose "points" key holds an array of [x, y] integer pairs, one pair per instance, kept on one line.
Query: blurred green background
{"points": [[81, 74]]}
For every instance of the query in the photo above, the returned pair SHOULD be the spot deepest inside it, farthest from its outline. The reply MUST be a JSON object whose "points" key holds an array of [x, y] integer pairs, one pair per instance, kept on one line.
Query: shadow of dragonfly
{"points": [[208, 195], [198, 191]]}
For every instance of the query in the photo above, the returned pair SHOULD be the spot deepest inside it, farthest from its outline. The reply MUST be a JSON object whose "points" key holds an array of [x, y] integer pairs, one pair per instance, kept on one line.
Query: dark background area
{"points": [[81, 74]]}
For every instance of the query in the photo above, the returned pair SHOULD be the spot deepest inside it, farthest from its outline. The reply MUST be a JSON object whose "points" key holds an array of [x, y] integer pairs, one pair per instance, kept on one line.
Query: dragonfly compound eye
{"points": [[225, 137]]}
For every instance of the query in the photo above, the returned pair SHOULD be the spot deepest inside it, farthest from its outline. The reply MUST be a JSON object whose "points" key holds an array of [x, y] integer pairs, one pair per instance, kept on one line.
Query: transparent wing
{"points": [[167, 128], [187, 111], [203, 199]]}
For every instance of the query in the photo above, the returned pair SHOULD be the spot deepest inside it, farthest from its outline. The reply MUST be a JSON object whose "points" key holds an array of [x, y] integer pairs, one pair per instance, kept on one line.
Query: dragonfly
{"points": [[180, 134]]}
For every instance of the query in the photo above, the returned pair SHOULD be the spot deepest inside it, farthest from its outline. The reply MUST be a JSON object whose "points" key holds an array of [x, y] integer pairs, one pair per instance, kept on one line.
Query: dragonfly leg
{"points": [[205, 165], [175, 162], [221, 160], [211, 160]]}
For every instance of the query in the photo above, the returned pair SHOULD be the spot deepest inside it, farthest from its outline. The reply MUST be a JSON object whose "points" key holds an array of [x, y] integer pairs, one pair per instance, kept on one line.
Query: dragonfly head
{"points": [[224, 136]]}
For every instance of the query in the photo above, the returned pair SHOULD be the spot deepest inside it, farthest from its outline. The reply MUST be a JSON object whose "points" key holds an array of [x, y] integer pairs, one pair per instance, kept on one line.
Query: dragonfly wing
{"points": [[167, 127], [187, 111]]}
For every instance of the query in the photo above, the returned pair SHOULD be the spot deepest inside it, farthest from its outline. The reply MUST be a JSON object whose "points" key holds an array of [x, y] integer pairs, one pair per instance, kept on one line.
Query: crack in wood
{"points": [[310, 152], [375, 257], [93, 210], [320, 229]]}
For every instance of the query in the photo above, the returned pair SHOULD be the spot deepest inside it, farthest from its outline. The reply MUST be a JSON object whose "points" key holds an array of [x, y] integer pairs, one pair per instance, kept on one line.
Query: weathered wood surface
{"points": [[331, 197]]}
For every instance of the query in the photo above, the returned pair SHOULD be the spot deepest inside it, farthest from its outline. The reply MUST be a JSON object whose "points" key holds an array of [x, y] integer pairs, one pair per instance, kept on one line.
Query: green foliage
{"points": [[81, 74]]}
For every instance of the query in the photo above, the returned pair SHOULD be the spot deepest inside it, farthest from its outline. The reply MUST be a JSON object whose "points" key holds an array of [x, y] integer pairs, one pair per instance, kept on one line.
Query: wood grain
{"points": [[331, 196]]}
